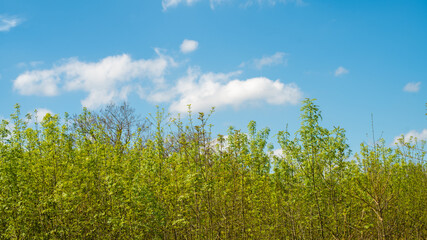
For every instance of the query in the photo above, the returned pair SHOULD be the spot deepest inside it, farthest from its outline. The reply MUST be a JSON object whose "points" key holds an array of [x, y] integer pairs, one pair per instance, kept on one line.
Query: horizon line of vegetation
{"points": [[110, 174]]}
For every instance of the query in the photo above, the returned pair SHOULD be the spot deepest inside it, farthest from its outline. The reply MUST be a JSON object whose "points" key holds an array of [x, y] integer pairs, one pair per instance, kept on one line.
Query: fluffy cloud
{"points": [[188, 46], [39, 82], [6, 23], [340, 71], [41, 113], [278, 153], [31, 64], [204, 91], [105, 81], [411, 135], [113, 78], [173, 3], [275, 59], [412, 87], [213, 3]]}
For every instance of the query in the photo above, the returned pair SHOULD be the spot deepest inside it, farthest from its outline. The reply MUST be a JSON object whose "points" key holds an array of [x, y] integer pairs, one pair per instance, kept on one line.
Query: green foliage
{"points": [[104, 176]]}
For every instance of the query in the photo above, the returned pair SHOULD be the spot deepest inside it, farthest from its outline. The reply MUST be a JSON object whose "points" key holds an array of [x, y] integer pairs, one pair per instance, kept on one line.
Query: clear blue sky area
{"points": [[251, 59]]}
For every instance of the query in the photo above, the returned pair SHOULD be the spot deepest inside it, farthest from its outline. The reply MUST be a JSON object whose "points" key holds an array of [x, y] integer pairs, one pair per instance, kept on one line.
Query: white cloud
{"points": [[108, 80], [173, 3], [170, 3], [40, 82], [278, 153], [6, 23], [216, 145], [340, 71], [412, 87], [218, 90], [41, 113], [32, 64], [275, 59], [188, 46], [113, 78], [213, 3], [411, 135]]}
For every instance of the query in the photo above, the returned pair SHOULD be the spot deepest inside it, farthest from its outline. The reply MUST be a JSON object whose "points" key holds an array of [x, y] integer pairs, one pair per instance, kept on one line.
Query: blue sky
{"points": [[251, 59]]}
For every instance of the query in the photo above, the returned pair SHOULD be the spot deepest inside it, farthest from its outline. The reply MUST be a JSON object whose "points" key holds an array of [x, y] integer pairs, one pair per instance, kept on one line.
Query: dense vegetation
{"points": [[102, 175]]}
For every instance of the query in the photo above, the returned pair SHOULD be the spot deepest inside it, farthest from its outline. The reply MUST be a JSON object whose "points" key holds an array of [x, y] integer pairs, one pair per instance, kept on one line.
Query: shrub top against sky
{"points": [[252, 60]]}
